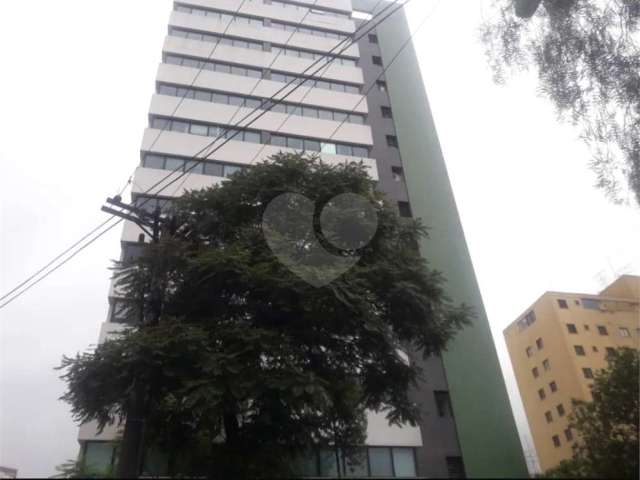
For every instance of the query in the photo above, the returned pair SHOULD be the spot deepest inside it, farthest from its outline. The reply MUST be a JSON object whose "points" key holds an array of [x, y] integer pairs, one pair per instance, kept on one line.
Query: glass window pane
{"points": [[254, 73], [296, 143], [160, 123], [153, 161], [193, 166], [205, 96], [278, 140], [329, 148], [310, 112], [173, 60], [199, 130], [357, 465], [277, 77], [344, 150], [99, 456], [351, 89], [359, 119], [223, 68], [380, 462], [253, 137], [360, 152], [328, 463], [311, 146], [339, 116], [214, 131], [279, 108], [239, 71], [177, 126], [167, 90], [326, 114], [252, 103], [294, 110], [174, 164], [220, 98], [231, 169], [404, 462], [235, 100], [214, 169]]}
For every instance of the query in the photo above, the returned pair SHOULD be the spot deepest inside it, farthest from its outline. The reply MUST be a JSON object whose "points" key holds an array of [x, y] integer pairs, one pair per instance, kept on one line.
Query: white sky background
{"points": [[75, 86]]}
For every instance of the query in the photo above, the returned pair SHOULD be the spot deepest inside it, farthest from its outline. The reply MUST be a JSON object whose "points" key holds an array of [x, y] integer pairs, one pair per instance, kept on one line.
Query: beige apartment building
{"points": [[557, 346]]}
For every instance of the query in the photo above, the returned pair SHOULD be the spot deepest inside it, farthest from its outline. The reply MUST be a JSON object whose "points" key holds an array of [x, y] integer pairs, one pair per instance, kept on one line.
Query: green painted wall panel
{"points": [[485, 423]]}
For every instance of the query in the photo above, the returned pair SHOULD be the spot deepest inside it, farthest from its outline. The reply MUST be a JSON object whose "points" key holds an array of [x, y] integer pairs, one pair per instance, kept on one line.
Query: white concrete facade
{"points": [[240, 153]]}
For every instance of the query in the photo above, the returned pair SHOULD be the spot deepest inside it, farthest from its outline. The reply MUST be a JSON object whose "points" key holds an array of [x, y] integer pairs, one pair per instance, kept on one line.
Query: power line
{"points": [[270, 104]]}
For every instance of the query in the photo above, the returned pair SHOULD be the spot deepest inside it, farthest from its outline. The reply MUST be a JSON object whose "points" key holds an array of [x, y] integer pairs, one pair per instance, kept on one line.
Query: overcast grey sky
{"points": [[74, 91]]}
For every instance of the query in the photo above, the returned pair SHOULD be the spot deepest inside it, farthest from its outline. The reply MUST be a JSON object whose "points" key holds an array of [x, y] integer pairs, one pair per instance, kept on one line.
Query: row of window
{"points": [[252, 102], [317, 11], [210, 37], [568, 434], [223, 67], [253, 45], [553, 386], [368, 462], [205, 130], [311, 145], [602, 330], [240, 18], [561, 413], [295, 52], [307, 31], [309, 82], [298, 143], [206, 167], [539, 346]]}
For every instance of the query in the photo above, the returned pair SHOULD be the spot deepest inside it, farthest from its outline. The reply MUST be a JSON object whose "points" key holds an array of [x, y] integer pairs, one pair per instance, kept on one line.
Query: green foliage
{"points": [[249, 365], [607, 427], [587, 57]]}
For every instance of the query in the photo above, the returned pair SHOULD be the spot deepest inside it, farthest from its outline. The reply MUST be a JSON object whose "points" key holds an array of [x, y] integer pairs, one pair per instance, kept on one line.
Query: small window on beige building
{"points": [[624, 332], [541, 394], [553, 386], [535, 372], [556, 441], [548, 416], [529, 351], [602, 330], [579, 350], [571, 328], [568, 434], [539, 344], [562, 303], [546, 365], [587, 372], [560, 409]]}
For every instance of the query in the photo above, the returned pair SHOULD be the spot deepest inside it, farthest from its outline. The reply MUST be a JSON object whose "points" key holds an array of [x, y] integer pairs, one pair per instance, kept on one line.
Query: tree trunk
{"points": [[130, 462]]}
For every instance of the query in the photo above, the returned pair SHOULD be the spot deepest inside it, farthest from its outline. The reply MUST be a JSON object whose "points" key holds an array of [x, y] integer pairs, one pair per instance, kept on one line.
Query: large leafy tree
{"points": [[607, 428], [250, 364], [587, 57]]}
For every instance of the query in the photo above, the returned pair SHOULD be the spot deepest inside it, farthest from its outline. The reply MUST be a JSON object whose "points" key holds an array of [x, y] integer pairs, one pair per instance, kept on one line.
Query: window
{"points": [[590, 304], [539, 344], [380, 462], [624, 332], [568, 434], [587, 372], [404, 462], [586, 328], [455, 467], [535, 372], [579, 350], [541, 394], [373, 38], [278, 140], [610, 351], [214, 169], [553, 386], [382, 85], [548, 416], [199, 129], [328, 148], [562, 304], [356, 467], [602, 330], [376, 60], [546, 365], [153, 161], [560, 409], [556, 441], [99, 456], [397, 173], [594, 348], [572, 328], [386, 112], [404, 209], [529, 351], [392, 141], [530, 317], [443, 403]]}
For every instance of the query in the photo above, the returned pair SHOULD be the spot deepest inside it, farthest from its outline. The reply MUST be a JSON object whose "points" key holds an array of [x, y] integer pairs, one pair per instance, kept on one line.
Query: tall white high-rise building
{"points": [[467, 427]]}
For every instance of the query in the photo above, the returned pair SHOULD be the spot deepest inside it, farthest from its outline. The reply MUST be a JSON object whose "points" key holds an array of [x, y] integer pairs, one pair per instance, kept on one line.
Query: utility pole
{"points": [[131, 457]]}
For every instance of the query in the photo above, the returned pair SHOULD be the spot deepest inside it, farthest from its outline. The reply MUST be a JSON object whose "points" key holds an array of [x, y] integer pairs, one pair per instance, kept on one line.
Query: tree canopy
{"points": [[607, 427], [250, 363], [587, 58]]}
